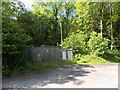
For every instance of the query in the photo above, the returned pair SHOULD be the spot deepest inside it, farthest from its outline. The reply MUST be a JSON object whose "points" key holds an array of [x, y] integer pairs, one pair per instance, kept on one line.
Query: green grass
{"points": [[46, 66], [30, 67]]}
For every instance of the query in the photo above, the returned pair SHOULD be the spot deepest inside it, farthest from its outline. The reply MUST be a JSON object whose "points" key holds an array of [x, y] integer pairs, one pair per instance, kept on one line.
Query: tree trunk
{"points": [[111, 28], [101, 18]]}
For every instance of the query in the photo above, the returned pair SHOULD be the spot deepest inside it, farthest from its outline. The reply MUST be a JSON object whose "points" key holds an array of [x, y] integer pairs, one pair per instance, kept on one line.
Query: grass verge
{"points": [[30, 67]]}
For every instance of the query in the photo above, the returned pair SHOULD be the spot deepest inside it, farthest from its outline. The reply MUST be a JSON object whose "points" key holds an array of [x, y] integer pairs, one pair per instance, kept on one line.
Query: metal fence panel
{"points": [[49, 54]]}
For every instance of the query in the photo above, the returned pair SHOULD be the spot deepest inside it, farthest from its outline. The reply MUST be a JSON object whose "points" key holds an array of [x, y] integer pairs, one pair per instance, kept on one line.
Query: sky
{"points": [[28, 4]]}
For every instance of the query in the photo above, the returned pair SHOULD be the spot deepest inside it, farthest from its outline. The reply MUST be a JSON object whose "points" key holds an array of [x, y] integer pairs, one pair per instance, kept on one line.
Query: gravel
{"points": [[71, 76]]}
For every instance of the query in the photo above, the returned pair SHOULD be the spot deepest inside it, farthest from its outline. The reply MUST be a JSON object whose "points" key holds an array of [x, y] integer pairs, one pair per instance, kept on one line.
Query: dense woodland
{"points": [[92, 29]]}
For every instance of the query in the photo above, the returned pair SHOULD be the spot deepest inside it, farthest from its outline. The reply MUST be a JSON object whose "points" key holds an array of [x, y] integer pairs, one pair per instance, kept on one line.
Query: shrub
{"points": [[77, 41], [5, 70], [77, 56], [112, 55], [93, 59], [97, 44], [80, 43], [87, 50]]}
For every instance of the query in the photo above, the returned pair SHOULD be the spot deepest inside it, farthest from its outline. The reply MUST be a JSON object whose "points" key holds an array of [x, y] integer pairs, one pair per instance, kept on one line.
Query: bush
{"points": [[117, 42], [97, 44], [77, 56], [112, 55], [92, 59], [80, 43], [87, 50], [77, 41], [5, 70]]}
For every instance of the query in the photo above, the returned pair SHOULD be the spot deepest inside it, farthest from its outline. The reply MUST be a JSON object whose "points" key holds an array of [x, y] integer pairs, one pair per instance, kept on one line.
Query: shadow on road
{"points": [[66, 74]]}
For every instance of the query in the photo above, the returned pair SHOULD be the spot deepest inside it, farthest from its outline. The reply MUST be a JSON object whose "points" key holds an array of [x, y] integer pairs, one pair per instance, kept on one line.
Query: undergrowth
{"points": [[30, 67]]}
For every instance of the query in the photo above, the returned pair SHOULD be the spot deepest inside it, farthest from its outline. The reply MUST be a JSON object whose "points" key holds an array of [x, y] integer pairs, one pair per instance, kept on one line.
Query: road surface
{"points": [[71, 76]]}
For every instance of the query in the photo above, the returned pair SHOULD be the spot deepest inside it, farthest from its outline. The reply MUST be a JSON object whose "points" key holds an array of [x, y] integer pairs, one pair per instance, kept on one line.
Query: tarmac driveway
{"points": [[71, 76]]}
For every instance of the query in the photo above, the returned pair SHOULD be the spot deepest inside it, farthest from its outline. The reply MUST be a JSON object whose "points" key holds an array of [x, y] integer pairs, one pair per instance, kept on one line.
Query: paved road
{"points": [[77, 76]]}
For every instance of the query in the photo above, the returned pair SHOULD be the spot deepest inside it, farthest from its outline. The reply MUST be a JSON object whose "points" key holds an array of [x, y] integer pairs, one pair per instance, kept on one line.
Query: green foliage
{"points": [[77, 41], [5, 70], [80, 43], [112, 55], [22, 28], [78, 56], [117, 41], [46, 66], [29, 67], [14, 37], [92, 59], [97, 44]]}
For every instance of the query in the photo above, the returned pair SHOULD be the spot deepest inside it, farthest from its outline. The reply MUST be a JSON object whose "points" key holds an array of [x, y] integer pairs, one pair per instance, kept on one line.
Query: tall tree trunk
{"points": [[111, 27], [101, 18]]}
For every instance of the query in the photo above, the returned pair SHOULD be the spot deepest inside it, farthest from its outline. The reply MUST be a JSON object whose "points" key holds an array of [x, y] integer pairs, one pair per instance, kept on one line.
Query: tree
{"points": [[14, 37], [111, 27]]}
